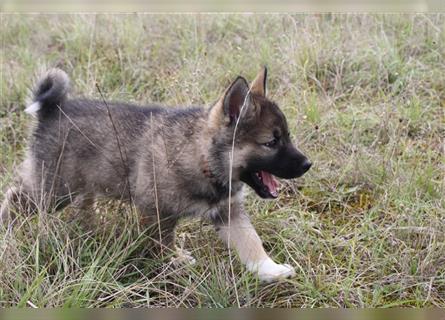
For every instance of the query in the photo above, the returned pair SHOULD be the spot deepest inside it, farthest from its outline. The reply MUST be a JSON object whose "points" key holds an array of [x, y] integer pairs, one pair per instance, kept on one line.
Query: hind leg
{"points": [[17, 200]]}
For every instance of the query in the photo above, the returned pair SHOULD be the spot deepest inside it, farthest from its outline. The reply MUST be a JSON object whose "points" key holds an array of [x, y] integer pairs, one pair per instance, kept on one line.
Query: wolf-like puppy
{"points": [[170, 163]]}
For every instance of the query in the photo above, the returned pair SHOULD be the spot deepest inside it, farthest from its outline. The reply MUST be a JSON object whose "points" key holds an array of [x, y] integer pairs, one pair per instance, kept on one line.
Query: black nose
{"points": [[306, 165]]}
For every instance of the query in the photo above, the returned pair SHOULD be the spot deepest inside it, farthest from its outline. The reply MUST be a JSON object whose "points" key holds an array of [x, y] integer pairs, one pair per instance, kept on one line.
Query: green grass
{"points": [[364, 96]]}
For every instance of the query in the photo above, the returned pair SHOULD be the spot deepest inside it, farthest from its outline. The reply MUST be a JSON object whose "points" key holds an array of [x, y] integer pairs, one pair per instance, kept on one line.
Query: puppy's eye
{"points": [[272, 143]]}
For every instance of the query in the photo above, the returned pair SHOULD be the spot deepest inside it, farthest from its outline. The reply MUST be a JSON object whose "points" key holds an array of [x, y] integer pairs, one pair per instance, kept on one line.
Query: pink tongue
{"points": [[270, 183]]}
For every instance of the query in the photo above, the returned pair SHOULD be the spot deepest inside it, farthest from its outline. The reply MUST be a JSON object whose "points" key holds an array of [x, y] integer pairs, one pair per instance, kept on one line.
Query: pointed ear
{"points": [[258, 86], [234, 98]]}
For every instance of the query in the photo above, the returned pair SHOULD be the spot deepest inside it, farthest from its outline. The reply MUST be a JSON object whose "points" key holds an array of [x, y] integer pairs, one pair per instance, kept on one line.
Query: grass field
{"points": [[365, 100]]}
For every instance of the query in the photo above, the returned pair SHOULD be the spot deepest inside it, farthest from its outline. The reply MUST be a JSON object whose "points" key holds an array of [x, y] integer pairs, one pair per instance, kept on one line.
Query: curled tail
{"points": [[50, 92]]}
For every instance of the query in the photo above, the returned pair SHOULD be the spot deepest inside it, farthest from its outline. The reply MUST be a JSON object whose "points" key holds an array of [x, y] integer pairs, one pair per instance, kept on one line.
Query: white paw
{"points": [[269, 271], [182, 257]]}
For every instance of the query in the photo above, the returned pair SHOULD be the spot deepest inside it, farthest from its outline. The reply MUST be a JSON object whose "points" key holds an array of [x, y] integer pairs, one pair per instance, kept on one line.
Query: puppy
{"points": [[168, 162]]}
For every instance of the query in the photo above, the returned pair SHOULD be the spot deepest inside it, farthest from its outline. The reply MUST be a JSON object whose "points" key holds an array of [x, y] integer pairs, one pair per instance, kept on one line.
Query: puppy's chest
{"points": [[214, 194], [210, 207]]}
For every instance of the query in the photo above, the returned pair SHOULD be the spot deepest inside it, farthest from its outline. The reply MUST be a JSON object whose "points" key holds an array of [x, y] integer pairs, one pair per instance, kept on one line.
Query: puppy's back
{"points": [[82, 146]]}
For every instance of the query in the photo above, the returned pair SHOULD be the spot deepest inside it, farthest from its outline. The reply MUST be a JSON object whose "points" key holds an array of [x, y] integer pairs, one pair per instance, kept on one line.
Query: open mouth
{"points": [[264, 183]]}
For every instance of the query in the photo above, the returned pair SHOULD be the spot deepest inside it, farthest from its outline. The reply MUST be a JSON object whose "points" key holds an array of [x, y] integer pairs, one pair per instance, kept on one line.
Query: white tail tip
{"points": [[33, 108]]}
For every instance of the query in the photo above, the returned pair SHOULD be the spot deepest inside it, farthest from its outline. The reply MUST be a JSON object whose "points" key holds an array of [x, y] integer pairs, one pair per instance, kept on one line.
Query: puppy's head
{"points": [[258, 131]]}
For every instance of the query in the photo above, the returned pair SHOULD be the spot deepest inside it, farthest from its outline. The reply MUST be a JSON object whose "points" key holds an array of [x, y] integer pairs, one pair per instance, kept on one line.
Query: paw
{"points": [[269, 271], [182, 257]]}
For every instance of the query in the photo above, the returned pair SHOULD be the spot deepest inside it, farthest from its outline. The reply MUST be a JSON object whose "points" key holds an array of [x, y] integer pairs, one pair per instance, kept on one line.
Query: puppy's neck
{"points": [[205, 168]]}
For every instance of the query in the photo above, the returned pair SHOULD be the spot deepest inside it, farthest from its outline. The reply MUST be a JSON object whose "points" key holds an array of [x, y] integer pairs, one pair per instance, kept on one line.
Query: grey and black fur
{"points": [[170, 162]]}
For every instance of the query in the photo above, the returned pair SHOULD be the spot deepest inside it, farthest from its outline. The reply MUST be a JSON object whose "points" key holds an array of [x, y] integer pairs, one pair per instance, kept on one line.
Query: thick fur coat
{"points": [[168, 162]]}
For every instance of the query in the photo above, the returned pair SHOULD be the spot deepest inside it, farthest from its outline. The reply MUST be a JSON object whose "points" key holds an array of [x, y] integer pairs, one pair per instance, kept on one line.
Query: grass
{"points": [[365, 98]]}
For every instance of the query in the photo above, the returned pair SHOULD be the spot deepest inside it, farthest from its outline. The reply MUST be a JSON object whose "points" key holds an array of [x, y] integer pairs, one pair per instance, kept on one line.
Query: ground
{"points": [[365, 98]]}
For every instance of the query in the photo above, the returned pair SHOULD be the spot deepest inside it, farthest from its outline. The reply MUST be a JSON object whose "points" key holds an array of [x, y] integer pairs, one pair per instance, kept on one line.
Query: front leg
{"points": [[241, 235], [162, 232]]}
